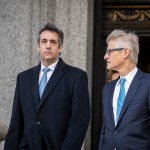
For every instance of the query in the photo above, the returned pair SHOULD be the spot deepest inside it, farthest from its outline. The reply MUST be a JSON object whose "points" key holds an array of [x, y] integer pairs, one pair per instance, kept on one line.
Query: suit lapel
{"points": [[133, 89], [58, 72], [34, 83], [111, 104]]}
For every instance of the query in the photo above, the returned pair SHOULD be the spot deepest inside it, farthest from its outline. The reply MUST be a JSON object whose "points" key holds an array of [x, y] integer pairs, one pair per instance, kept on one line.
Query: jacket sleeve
{"points": [[102, 133], [14, 133], [101, 141], [80, 118]]}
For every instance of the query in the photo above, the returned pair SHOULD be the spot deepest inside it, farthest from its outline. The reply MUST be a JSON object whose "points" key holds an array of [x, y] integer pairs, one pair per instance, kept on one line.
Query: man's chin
{"points": [[48, 58], [110, 68]]}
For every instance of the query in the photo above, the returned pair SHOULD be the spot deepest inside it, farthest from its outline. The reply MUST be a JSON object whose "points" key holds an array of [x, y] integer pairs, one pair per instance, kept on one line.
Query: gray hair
{"points": [[126, 39]]}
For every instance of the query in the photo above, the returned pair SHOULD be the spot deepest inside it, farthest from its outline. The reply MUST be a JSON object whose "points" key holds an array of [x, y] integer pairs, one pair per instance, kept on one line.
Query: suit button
{"points": [[38, 123], [115, 132], [37, 141]]}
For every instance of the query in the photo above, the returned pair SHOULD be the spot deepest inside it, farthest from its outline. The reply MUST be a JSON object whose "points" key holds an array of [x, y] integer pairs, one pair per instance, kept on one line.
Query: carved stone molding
{"points": [[139, 15], [126, 16]]}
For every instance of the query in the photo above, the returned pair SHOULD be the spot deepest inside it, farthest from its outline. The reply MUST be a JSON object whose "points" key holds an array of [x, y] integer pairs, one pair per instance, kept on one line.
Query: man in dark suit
{"points": [[58, 118], [126, 100]]}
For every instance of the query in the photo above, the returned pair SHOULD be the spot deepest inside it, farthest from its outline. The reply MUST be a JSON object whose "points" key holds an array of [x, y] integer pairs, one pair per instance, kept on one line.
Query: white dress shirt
{"points": [[129, 77], [49, 74]]}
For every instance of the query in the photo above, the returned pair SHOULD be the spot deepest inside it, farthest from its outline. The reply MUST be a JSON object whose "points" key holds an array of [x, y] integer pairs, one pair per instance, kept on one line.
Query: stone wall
{"points": [[20, 21]]}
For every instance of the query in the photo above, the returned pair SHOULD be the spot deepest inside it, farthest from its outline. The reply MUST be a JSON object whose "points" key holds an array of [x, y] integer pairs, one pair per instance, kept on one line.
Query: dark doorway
{"points": [[144, 56], [106, 19]]}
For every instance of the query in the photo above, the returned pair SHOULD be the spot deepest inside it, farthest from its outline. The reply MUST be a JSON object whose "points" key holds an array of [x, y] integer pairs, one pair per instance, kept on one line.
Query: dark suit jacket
{"points": [[132, 131], [59, 120]]}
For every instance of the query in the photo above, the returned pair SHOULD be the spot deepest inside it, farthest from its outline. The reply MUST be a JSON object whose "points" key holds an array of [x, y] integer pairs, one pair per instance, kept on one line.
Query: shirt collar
{"points": [[52, 66], [129, 77]]}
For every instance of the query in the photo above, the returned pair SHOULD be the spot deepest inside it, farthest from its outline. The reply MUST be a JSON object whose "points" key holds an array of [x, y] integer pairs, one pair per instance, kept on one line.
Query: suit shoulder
{"points": [[27, 71], [146, 76], [74, 69]]}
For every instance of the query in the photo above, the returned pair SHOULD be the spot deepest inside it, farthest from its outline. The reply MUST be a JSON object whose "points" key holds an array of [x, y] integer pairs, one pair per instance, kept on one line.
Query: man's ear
{"points": [[60, 47], [126, 53], [38, 47]]}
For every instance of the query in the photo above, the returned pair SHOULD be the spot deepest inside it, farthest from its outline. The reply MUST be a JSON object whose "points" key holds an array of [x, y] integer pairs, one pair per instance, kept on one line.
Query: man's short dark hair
{"points": [[52, 28]]}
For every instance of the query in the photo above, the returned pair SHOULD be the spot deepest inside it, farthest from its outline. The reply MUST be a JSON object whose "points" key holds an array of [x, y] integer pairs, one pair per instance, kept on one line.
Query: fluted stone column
{"points": [[20, 21]]}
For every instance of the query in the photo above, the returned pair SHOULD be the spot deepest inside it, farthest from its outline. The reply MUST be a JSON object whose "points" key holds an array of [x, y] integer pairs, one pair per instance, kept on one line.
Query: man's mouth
{"points": [[47, 53]]}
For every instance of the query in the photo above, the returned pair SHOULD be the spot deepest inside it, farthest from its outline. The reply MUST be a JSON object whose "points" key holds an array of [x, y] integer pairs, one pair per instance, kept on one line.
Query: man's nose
{"points": [[48, 44], [105, 56]]}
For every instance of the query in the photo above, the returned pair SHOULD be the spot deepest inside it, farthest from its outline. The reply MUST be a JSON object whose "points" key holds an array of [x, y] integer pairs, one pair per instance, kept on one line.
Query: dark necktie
{"points": [[120, 98], [43, 81]]}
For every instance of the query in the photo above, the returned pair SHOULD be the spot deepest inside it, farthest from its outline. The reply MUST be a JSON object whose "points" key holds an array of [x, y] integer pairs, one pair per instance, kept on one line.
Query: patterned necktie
{"points": [[121, 97], [43, 81]]}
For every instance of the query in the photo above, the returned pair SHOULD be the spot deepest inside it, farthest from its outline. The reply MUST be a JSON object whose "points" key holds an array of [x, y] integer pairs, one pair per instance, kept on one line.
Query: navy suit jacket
{"points": [[57, 121], [132, 131]]}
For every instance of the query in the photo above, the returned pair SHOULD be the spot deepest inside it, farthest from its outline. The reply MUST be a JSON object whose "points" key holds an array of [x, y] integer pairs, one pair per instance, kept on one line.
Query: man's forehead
{"points": [[49, 35]]}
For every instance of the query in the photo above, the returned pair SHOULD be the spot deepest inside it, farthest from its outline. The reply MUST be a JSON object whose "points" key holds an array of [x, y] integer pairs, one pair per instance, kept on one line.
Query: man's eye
{"points": [[53, 42], [43, 41]]}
